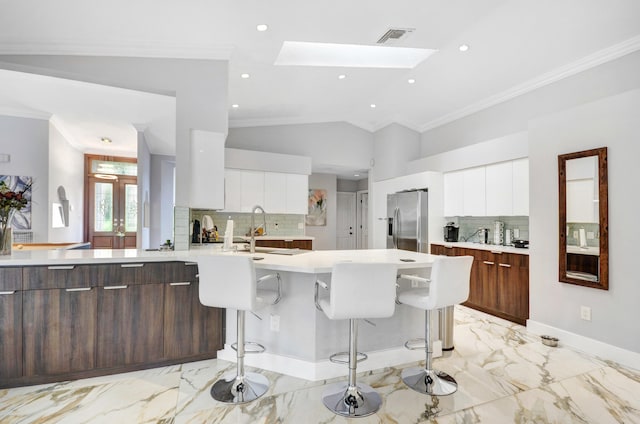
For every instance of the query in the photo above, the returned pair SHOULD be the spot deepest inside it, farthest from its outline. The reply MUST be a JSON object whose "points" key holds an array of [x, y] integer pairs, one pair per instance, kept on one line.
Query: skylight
{"points": [[299, 53]]}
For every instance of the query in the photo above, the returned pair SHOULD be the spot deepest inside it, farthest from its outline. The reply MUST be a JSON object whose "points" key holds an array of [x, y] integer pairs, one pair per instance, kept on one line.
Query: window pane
{"points": [[103, 218], [115, 168], [131, 205]]}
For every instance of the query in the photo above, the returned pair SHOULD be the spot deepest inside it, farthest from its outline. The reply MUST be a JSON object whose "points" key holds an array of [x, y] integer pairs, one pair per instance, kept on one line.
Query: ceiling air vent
{"points": [[394, 35]]}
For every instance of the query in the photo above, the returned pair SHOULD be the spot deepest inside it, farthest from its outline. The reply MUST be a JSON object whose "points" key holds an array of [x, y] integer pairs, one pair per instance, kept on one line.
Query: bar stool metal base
{"points": [[430, 382], [351, 401], [236, 389]]}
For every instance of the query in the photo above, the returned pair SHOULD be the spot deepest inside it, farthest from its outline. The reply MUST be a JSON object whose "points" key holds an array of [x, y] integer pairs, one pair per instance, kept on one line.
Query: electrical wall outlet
{"points": [[575, 234], [274, 323], [300, 225], [590, 235], [585, 313], [516, 233], [415, 284]]}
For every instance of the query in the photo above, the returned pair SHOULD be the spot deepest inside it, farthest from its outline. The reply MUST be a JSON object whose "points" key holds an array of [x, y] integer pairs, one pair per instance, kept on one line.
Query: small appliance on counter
{"points": [[451, 232], [483, 235], [498, 232], [521, 244], [195, 234]]}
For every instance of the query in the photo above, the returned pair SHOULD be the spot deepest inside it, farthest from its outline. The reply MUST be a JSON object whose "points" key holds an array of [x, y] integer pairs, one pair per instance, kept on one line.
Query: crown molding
{"points": [[385, 123], [266, 122], [24, 113], [591, 61], [149, 50]]}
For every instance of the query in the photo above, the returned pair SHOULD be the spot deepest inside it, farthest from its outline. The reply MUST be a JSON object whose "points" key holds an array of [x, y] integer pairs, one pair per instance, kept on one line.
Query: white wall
{"points": [[144, 192], [611, 122], [325, 236], [161, 196], [27, 142], [66, 168], [393, 146], [333, 144], [513, 116], [200, 88]]}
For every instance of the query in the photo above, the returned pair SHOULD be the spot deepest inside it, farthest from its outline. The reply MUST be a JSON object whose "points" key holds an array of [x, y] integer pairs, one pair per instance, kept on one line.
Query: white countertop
{"points": [[591, 251], [479, 246], [314, 262], [277, 237]]}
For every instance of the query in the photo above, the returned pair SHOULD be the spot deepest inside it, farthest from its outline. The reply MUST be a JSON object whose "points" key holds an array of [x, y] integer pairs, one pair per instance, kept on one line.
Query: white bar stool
{"points": [[358, 290], [230, 282], [448, 286]]}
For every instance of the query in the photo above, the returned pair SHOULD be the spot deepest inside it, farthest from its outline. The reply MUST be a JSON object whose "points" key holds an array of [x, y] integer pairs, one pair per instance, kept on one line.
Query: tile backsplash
{"points": [[592, 233], [277, 224], [469, 226]]}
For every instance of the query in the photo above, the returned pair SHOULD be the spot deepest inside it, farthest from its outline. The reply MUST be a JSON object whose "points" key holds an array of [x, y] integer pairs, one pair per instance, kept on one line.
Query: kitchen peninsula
{"points": [[80, 313]]}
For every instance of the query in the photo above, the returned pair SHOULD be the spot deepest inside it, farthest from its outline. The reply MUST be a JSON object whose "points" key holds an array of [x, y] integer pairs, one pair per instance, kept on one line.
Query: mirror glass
{"points": [[583, 253]]}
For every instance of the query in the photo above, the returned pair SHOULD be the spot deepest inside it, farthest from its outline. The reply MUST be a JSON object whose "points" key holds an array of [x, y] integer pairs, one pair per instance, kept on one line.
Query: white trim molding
{"points": [[324, 369], [585, 344], [151, 49]]}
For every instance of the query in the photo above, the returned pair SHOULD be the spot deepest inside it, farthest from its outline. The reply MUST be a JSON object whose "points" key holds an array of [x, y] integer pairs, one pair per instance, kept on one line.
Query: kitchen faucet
{"points": [[252, 246]]}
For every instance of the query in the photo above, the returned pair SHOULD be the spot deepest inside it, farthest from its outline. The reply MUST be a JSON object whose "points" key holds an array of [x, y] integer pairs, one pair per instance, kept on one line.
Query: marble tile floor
{"points": [[505, 375]]}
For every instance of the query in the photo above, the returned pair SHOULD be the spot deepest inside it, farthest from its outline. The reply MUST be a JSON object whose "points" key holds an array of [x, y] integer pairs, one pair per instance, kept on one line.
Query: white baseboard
{"points": [[585, 344], [323, 370]]}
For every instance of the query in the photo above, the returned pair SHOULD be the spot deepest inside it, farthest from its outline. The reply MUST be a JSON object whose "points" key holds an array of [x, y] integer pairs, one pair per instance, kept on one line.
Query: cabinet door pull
{"points": [[115, 287], [78, 289], [505, 265], [7, 292], [288, 241], [448, 247], [496, 252], [191, 263], [184, 283], [131, 265], [488, 263], [61, 267]]}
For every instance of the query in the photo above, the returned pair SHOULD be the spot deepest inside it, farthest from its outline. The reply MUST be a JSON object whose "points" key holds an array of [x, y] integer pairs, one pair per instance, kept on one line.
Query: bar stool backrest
{"points": [[449, 284], [362, 290], [227, 282]]}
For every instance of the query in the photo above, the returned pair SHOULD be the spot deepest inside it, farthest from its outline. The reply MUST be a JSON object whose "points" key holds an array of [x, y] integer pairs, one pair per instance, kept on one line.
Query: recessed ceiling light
{"points": [[299, 53], [356, 175], [262, 27], [463, 47], [411, 81], [235, 106], [373, 105], [244, 76], [342, 76], [106, 140]]}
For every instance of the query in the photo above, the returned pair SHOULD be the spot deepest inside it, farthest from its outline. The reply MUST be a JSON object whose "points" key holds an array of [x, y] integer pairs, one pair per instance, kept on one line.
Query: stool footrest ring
{"points": [[250, 347], [416, 344], [343, 357]]}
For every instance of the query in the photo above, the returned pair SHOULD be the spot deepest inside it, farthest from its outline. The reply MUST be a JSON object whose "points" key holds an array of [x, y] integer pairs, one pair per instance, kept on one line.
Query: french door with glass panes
{"points": [[112, 212]]}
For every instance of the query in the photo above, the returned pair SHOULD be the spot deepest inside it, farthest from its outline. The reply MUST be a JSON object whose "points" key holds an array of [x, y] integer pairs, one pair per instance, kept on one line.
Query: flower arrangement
{"points": [[10, 202]]}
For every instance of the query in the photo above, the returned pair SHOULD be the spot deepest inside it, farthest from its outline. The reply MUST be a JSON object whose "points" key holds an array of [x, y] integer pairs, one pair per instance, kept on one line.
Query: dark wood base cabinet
{"points": [[286, 244], [76, 321], [499, 282]]}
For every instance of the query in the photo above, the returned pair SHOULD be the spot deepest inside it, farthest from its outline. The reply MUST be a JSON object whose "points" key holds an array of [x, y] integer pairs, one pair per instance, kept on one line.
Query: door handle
{"points": [[488, 263], [396, 224]]}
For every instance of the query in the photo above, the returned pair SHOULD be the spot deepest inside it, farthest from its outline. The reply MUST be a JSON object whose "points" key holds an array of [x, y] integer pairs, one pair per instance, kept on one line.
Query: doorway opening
{"points": [[111, 201]]}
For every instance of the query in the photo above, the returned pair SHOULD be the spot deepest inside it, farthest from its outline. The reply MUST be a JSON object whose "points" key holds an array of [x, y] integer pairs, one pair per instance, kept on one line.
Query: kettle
{"points": [[483, 235]]}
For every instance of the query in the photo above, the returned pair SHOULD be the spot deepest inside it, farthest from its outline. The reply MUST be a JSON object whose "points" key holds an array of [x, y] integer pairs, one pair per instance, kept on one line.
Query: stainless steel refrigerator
{"points": [[407, 224]]}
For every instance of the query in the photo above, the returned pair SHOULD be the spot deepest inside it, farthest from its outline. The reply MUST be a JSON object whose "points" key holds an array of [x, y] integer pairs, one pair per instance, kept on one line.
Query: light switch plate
{"points": [[300, 225]]}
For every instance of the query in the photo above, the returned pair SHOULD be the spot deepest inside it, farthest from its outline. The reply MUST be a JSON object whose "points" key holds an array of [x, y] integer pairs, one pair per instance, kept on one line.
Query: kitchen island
{"points": [[91, 312]]}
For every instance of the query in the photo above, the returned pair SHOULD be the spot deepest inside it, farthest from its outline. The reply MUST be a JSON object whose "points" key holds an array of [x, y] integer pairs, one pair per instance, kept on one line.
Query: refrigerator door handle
{"points": [[396, 220]]}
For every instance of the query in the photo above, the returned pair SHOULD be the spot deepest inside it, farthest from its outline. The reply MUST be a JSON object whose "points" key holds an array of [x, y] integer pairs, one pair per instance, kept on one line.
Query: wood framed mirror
{"points": [[583, 254]]}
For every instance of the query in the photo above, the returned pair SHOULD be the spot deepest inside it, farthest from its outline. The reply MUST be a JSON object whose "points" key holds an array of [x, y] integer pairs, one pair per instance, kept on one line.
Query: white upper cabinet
{"points": [[453, 193], [206, 190], [474, 192], [252, 190], [499, 189], [521, 187], [275, 194], [297, 194]]}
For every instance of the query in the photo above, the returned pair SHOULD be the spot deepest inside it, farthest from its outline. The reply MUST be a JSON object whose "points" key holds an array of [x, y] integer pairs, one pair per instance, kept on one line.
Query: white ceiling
{"points": [[515, 46]]}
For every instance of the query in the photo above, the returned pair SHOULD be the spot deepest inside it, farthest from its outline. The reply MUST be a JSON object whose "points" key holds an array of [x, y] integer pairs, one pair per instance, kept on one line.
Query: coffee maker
{"points": [[451, 232]]}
